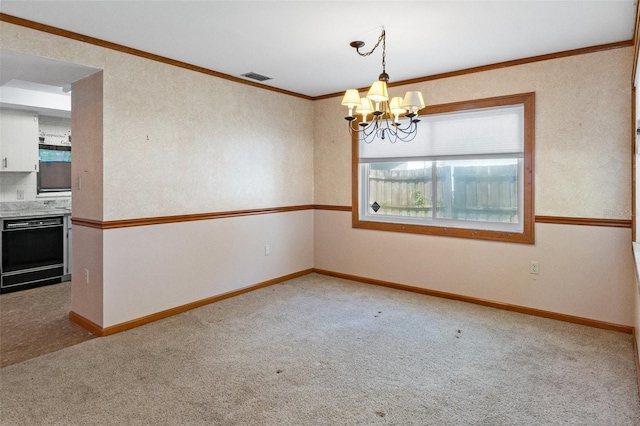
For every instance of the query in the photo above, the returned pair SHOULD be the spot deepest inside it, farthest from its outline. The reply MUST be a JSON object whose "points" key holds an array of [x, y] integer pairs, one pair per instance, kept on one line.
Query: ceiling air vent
{"points": [[252, 75]]}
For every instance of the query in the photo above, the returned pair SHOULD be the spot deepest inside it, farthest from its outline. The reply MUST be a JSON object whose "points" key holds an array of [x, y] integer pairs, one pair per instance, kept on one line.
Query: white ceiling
{"points": [[36, 83], [304, 45]]}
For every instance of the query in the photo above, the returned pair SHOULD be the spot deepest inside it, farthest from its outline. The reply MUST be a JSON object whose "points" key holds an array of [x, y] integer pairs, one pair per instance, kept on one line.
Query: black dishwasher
{"points": [[32, 253]]}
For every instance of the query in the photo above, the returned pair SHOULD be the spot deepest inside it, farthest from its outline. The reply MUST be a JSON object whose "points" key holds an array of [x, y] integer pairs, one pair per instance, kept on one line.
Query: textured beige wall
{"points": [[212, 145], [637, 155], [87, 185], [637, 319], [38, 43], [583, 168], [87, 165]]}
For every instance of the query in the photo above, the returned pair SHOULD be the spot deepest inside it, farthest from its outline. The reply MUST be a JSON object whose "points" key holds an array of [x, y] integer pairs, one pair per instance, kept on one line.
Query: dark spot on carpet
{"points": [[278, 371], [380, 414]]}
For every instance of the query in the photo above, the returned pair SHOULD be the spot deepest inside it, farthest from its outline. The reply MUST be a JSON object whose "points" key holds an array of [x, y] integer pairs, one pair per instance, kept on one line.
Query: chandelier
{"points": [[385, 115]]}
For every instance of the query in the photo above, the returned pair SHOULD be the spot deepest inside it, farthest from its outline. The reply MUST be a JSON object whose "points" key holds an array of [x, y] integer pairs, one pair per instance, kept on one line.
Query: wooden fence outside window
{"points": [[477, 193]]}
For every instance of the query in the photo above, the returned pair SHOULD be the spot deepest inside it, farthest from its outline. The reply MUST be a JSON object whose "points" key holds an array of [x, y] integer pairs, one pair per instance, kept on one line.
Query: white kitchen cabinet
{"points": [[18, 141]]}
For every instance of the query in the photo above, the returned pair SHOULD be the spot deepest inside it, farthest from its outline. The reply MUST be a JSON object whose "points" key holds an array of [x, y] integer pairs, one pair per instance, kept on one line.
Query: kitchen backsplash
{"points": [[14, 185]]}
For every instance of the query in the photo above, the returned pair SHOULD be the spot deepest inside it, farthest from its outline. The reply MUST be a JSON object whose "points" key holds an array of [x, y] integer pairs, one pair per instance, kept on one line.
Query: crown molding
{"points": [[140, 53]]}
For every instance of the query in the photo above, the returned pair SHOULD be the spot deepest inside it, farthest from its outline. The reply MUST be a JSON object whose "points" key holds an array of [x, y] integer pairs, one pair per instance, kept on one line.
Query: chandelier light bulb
{"points": [[364, 109], [396, 108], [351, 100], [414, 102], [378, 92]]}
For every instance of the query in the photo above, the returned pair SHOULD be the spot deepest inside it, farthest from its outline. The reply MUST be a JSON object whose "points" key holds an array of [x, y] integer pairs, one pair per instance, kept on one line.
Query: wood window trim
{"points": [[527, 236]]}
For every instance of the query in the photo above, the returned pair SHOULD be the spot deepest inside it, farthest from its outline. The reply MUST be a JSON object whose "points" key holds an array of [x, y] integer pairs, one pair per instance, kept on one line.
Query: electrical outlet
{"points": [[267, 250], [20, 194], [534, 267], [86, 276]]}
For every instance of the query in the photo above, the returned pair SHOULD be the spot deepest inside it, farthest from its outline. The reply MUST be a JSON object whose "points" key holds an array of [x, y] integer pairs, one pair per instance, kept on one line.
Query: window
{"points": [[54, 151], [55, 169], [468, 173]]}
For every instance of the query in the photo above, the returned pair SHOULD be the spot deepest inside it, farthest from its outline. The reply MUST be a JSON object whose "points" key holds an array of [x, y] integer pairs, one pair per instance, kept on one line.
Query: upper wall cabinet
{"points": [[18, 141]]}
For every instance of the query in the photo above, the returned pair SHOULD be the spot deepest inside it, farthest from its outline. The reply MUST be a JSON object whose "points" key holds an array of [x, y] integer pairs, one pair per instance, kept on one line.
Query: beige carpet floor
{"points": [[318, 350], [35, 322]]}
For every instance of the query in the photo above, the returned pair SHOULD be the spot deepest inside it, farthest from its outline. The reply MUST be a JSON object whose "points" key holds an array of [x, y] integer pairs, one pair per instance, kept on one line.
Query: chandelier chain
{"points": [[384, 52], [382, 39]]}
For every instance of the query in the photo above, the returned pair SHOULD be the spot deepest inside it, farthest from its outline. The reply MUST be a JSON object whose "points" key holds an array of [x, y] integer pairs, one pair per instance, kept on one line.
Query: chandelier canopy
{"points": [[385, 114]]}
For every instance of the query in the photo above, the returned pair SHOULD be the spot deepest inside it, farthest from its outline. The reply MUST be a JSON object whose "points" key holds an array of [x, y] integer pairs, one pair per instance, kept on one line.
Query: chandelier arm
{"points": [[370, 131], [392, 136], [350, 128], [407, 135], [372, 128], [408, 129], [392, 130], [384, 128]]}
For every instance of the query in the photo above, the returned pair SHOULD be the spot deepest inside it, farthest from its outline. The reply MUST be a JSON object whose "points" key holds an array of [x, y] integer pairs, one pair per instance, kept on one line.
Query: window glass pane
{"points": [[481, 190], [401, 189], [55, 169], [55, 155]]}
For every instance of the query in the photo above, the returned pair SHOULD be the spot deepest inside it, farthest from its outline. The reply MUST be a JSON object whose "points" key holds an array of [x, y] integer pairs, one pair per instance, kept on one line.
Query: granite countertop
{"points": [[35, 208], [9, 214]]}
